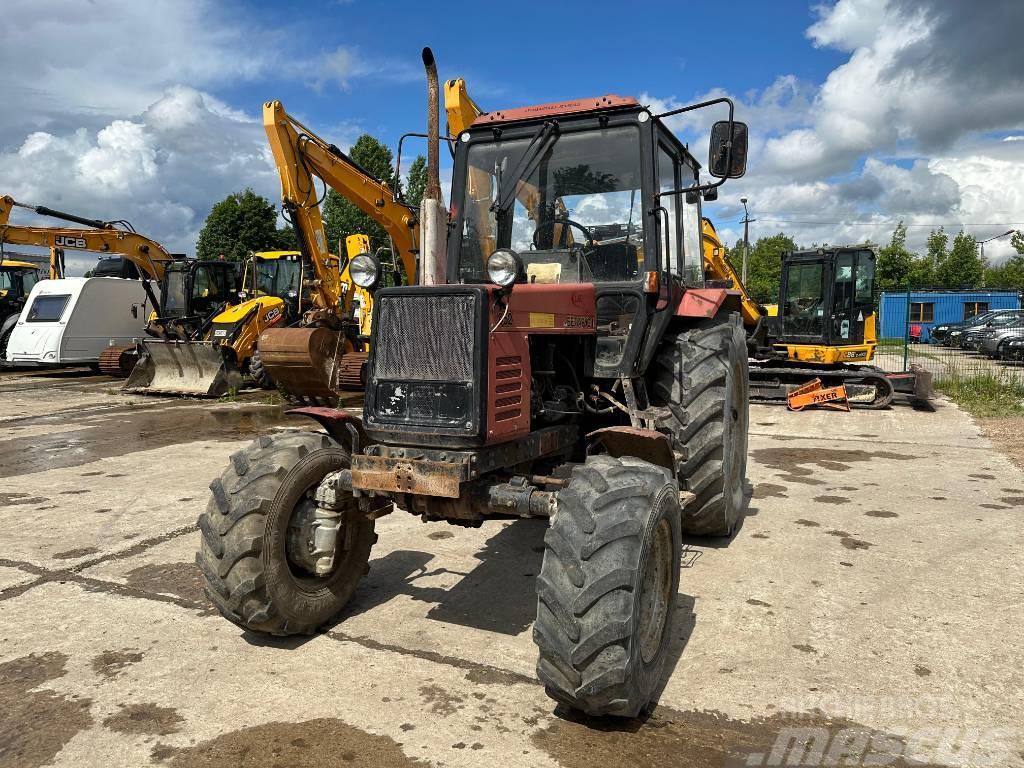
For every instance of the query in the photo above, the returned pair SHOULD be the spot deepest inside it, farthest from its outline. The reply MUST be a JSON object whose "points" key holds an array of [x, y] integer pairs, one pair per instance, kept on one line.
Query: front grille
{"points": [[425, 338]]}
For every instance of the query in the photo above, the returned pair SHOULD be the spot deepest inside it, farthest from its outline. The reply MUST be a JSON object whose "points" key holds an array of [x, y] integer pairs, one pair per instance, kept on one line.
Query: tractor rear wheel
{"points": [[607, 587], [700, 378], [256, 539]]}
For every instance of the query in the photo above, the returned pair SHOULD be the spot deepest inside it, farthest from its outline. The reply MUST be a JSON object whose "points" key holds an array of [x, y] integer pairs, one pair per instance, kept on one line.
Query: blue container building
{"points": [[929, 308]]}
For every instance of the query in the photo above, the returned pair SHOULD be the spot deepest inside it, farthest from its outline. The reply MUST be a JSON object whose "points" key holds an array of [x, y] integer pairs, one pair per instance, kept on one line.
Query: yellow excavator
{"points": [[824, 326], [324, 351]]}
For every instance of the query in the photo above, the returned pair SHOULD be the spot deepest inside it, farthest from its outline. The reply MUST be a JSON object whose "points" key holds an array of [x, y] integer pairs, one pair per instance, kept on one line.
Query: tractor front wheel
{"points": [[607, 587], [256, 548]]}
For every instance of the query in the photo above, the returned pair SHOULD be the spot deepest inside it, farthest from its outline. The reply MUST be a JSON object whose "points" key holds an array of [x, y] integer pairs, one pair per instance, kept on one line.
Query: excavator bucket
{"points": [[310, 364], [182, 368]]}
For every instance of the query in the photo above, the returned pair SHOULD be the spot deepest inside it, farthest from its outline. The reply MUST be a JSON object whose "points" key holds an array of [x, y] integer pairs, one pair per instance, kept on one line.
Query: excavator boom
{"points": [[307, 360]]}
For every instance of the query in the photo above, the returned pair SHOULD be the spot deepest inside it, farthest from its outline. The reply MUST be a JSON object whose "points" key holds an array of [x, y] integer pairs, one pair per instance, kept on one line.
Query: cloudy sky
{"points": [[862, 112]]}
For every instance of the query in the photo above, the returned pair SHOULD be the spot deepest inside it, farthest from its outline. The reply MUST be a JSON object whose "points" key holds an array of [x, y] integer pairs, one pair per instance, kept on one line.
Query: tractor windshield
{"points": [[174, 303], [570, 205]]}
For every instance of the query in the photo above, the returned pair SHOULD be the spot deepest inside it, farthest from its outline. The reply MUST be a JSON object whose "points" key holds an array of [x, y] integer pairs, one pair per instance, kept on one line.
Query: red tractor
{"points": [[573, 365]]}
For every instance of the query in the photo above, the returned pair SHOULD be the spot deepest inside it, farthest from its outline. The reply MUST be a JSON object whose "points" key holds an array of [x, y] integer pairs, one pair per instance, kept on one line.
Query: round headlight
{"points": [[364, 270], [504, 266]]}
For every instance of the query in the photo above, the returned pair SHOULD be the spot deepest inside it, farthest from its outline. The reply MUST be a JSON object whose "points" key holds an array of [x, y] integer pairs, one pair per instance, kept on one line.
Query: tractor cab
{"points": [[826, 305], [275, 273]]}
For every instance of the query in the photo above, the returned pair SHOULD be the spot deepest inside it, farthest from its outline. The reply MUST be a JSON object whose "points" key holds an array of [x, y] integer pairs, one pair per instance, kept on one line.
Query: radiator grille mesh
{"points": [[425, 338]]}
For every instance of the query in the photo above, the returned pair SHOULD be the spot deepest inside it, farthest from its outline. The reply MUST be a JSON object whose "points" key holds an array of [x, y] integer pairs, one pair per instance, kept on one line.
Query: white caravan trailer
{"points": [[72, 320]]}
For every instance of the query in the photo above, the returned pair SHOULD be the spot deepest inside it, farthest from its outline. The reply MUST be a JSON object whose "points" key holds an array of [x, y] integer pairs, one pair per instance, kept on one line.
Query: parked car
{"points": [[1014, 349], [994, 342], [970, 335], [939, 334]]}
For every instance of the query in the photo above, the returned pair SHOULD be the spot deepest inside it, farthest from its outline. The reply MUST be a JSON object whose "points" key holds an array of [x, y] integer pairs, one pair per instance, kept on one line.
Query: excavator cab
{"points": [[826, 308], [193, 290]]}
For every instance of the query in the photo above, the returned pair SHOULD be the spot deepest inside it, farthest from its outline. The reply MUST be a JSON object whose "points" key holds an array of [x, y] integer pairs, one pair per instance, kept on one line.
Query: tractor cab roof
{"points": [[557, 109]]}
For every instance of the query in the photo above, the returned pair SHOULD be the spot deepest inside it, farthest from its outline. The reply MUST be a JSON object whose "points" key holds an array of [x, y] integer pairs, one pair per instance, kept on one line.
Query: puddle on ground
{"points": [[713, 740], [36, 724], [73, 554], [808, 523], [110, 663], [440, 535], [880, 513], [832, 499], [1013, 501], [178, 579], [149, 719], [800, 462], [995, 506], [138, 430], [769, 490], [322, 743], [441, 701], [983, 476], [14, 499]]}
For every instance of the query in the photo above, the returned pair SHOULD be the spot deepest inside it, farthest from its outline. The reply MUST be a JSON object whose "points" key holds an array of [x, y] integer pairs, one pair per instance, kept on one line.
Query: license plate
{"points": [[220, 333]]}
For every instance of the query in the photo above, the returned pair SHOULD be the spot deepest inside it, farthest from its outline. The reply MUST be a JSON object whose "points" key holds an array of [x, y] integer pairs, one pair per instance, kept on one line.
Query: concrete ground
{"points": [[871, 600]]}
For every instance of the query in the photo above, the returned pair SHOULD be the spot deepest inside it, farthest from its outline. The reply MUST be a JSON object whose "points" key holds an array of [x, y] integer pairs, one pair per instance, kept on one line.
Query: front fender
{"points": [[344, 427]]}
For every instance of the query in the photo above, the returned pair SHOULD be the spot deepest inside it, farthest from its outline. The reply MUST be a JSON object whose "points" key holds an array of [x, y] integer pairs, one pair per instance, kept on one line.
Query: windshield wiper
{"points": [[538, 142]]}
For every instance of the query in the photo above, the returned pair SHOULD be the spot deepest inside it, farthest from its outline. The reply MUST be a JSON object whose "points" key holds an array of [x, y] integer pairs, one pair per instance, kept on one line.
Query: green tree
{"points": [[1017, 241], [764, 265], [417, 184], [895, 263], [342, 218], [239, 224], [962, 267]]}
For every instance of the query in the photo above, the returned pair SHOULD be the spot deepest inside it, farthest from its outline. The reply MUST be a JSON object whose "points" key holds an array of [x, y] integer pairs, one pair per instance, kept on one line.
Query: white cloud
{"points": [[161, 170]]}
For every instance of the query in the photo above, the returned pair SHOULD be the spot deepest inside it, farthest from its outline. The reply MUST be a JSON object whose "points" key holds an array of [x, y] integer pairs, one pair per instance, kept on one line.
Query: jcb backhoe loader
{"points": [[16, 281], [215, 355], [560, 358]]}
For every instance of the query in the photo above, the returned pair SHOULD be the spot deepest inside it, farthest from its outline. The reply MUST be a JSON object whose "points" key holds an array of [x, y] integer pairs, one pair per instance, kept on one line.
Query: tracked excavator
{"points": [[825, 327]]}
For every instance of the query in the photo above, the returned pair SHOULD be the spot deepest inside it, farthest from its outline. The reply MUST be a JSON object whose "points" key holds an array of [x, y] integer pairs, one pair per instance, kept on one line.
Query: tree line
{"points": [[245, 222], [955, 266]]}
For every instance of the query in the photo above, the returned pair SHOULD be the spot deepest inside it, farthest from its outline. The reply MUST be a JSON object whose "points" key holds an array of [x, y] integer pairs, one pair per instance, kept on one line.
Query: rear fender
{"points": [[703, 303], [343, 426]]}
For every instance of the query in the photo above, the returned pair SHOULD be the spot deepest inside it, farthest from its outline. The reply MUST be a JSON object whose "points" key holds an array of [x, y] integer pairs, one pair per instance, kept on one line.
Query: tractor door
{"points": [[852, 296]]}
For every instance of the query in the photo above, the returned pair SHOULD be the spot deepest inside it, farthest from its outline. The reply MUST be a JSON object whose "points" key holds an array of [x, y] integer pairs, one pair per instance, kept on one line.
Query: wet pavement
{"points": [[866, 612]]}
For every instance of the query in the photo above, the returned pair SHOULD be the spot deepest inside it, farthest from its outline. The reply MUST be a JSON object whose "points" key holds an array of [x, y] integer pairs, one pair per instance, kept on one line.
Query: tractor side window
{"points": [[803, 313], [667, 181], [6, 281], [693, 257], [201, 286]]}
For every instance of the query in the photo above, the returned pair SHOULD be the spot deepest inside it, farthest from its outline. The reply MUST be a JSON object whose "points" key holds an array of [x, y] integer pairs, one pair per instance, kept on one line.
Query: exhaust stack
{"points": [[433, 215]]}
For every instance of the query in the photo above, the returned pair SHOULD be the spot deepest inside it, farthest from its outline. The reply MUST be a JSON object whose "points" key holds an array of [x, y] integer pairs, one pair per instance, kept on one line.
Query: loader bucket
{"points": [[305, 362], [182, 368]]}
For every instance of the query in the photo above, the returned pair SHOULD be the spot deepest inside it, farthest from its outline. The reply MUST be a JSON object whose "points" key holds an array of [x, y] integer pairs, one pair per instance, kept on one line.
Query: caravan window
{"points": [[47, 309]]}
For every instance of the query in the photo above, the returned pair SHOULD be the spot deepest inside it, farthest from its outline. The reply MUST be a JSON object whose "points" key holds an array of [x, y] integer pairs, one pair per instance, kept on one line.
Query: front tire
{"points": [[607, 587], [250, 551], [701, 380], [258, 373]]}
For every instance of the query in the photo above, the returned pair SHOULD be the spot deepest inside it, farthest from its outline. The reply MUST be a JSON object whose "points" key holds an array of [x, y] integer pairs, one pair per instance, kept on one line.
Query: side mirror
{"points": [[720, 144]]}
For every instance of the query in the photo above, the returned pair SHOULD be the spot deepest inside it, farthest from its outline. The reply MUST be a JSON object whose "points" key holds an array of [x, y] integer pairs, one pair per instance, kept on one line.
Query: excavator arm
{"points": [[148, 255], [717, 267], [300, 155]]}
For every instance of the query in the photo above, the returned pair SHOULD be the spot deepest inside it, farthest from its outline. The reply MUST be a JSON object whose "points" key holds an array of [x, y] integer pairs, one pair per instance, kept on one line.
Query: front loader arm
{"points": [[299, 156], [148, 255], [717, 267]]}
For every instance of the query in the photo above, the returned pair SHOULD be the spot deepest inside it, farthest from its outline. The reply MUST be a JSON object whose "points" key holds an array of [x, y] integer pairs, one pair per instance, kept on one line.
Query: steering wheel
{"points": [[565, 221]]}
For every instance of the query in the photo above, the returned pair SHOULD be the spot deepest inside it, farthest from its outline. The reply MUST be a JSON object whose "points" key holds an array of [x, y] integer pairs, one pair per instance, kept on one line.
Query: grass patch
{"points": [[985, 394]]}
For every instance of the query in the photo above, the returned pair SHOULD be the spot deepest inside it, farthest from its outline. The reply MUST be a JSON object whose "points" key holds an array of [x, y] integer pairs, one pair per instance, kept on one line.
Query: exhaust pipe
{"points": [[433, 216]]}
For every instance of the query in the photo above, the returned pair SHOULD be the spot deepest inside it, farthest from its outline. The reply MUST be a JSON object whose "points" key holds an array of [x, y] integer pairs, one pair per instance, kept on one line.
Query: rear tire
{"points": [[248, 571], [700, 377], [5, 338], [607, 588]]}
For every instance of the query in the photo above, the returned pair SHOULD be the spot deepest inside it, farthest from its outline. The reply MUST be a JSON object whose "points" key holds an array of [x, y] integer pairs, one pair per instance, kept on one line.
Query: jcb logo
{"points": [[64, 241]]}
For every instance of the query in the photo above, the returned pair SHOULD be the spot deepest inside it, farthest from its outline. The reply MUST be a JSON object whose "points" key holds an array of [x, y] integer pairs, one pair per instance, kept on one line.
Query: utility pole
{"points": [[746, 240], [981, 243]]}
